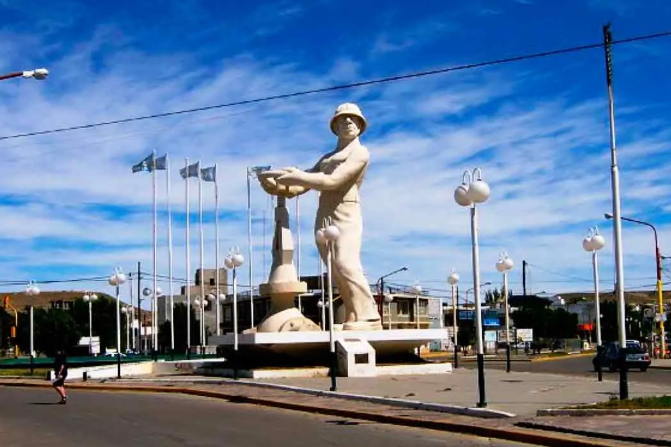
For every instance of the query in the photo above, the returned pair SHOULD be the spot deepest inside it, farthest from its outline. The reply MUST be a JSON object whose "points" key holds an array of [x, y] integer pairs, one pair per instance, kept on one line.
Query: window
{"points": [[423, 307], [403, 307], [212, 282], [227, 314]]}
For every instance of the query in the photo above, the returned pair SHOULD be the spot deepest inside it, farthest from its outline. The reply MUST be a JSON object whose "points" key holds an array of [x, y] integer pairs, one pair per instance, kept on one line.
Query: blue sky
{"points": [[539, 129]]}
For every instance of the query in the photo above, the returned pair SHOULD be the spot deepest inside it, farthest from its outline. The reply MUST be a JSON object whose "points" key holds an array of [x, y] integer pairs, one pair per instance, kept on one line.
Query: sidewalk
{"points": [[515, 392], [661, 364]]}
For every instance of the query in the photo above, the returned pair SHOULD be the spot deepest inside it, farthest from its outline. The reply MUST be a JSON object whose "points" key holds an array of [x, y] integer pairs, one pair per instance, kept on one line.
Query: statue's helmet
{"points": [[351, 110]]}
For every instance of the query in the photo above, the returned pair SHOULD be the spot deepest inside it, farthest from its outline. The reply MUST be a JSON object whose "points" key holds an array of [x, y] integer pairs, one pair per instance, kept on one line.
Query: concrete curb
{"points": [[667, 368], [528, 437], [602, 412], [593, 434]]}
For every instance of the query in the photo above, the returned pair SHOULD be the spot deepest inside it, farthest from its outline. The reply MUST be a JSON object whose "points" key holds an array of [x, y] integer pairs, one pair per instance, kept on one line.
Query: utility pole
{"points": [[139, 306], [524, 277], [617, 220]]}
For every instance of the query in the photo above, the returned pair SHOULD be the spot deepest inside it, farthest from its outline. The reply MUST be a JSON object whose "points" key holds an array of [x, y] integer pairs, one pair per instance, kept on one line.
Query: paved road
{"points": [[29, 418], [578, 366]]}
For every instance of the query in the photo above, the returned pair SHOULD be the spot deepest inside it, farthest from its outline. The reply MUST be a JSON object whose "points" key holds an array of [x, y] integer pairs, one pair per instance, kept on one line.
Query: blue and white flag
{"points": [[190, 171], [144, 165], [161, 163], [209, 174]]}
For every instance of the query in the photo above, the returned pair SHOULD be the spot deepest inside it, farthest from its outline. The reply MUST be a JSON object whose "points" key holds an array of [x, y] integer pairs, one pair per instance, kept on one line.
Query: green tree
{"points": [[6, 322], [180, 330], [546, 322], [53, 329], [103, 311]]}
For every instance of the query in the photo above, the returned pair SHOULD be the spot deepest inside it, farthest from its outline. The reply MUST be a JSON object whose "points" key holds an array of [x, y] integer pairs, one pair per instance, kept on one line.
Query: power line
{"points": [[333, 88], [574, 278]]}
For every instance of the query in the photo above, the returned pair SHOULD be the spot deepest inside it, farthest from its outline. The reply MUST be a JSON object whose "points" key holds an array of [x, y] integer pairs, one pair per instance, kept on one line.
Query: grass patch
{"points": [[639, 403], [24, 372]]}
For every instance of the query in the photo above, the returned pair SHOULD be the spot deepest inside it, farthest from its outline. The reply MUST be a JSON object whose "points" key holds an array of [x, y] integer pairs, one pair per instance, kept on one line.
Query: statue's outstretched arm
{"points": [[343, 174]]}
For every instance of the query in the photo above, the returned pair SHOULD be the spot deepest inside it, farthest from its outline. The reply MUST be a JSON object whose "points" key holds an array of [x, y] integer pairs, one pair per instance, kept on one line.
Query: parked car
{"points": [[608, 356]]}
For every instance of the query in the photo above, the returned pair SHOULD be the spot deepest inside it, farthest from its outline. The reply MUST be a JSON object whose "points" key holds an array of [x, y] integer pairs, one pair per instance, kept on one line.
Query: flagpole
{"points": [[170, 259], [251, 250], [298, 243], [216, 245], [202, 253], [188, 262], [154, 228]]}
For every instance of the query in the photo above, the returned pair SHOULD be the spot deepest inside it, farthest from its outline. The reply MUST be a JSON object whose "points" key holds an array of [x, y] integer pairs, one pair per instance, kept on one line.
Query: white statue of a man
{"points": [[338, 176]]}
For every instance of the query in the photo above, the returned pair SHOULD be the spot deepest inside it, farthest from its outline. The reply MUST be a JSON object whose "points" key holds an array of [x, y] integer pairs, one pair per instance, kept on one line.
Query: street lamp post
{"points": [[116, 279], [128, 312], [594, 242], [232, 262], [200, 305], [417, 290], [472, 191], [504, 265], [90, 298], [147, 292], [32, 290], [39, 74], [251, 172], [453, 280], [327, 235], [388, 298], [660, 285]]}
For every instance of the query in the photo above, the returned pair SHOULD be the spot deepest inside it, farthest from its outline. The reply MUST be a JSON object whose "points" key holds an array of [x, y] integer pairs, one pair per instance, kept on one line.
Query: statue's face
{"points": [[348, 126]]}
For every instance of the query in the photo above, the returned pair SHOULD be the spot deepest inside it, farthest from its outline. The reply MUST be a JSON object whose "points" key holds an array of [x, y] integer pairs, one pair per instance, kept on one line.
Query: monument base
{"points": [[303, 344]]}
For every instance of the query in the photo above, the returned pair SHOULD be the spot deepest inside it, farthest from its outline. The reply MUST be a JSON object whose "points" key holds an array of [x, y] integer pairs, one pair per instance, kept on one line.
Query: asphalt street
{"points": [[577, 366], [30, 418]]}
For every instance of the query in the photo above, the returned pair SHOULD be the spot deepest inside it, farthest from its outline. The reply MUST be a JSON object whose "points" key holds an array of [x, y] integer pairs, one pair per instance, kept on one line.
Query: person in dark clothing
{"points": [[61, 373]]}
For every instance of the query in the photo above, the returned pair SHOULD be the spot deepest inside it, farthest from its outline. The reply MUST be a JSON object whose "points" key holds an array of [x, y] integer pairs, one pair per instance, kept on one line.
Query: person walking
{"points": [[61, 373]]}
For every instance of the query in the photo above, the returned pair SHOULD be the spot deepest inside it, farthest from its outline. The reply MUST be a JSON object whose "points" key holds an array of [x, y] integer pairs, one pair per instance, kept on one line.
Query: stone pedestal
{"points": [[283, 285]]}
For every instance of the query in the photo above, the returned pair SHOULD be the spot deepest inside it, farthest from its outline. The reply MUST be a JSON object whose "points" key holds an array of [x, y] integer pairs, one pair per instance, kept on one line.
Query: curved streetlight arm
{"points": [[16, 74], [379, 281], [658, 255]]}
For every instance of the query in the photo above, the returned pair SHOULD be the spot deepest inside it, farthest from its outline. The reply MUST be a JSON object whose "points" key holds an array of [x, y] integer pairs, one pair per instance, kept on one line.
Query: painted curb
{"points": [[532, 438], [593, 434], [602, 412]]}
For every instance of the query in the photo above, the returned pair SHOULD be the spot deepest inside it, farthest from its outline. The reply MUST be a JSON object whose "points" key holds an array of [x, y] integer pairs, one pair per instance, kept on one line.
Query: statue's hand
{"points": [[269, 185], [293, 176]]}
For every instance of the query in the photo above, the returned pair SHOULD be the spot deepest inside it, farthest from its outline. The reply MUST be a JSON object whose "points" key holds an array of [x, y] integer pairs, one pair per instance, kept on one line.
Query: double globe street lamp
{"points": [[594, 242], [474, 190], [32, 290], [128, 312], [201, 304], [453, 281], [328, 235], [147, 292], [504, 265], [90, 298], [116, 279], [233, 261]]}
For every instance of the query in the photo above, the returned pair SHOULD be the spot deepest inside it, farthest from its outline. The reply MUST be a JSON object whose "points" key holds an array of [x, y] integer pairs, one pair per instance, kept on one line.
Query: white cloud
{"points": [[71, 202]]}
